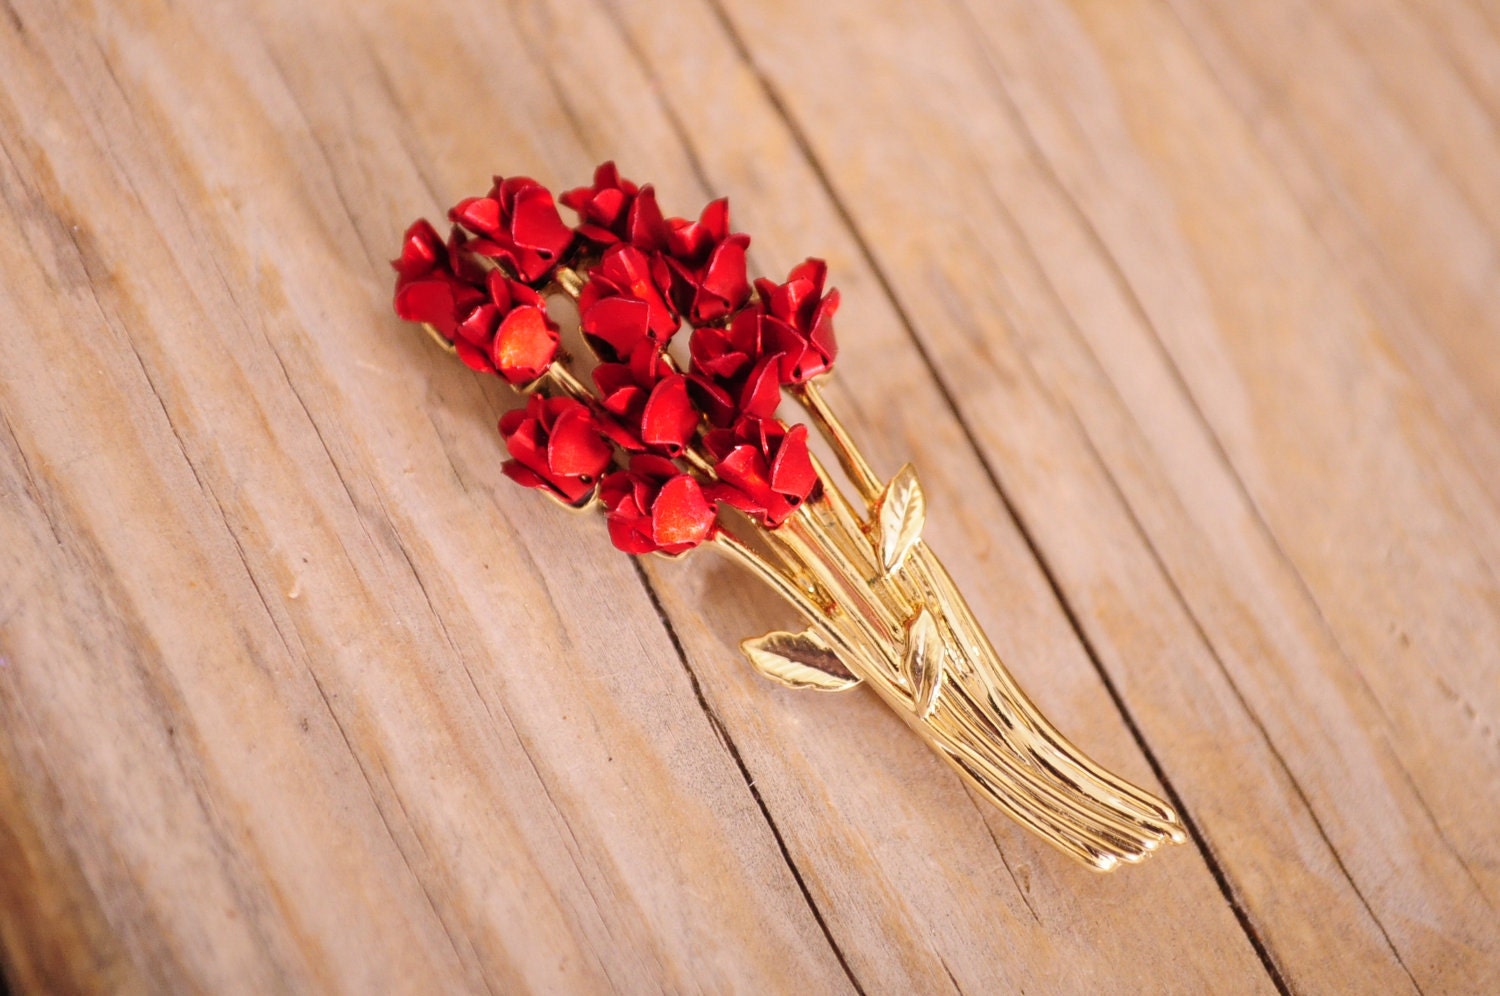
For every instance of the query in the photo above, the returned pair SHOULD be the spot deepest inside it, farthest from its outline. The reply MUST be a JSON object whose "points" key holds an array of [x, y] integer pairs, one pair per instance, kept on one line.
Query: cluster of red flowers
{"points": [[644, 276]]}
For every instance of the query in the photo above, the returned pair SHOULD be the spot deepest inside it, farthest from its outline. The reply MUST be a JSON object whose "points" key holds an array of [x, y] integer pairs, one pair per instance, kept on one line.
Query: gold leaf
{"points": [[901, 512], [922, 663], [798, 660]]}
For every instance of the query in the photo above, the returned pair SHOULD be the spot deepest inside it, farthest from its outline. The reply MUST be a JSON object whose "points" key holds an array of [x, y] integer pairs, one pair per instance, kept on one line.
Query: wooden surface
{"points": [[1188, 313]]}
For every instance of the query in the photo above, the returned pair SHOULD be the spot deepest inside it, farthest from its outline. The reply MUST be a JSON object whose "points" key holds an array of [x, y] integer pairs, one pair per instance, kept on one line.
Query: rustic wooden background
{"points": [[1187, 311]]}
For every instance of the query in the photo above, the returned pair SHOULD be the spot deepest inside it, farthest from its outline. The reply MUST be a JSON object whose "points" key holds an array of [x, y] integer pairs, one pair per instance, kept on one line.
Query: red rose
{"points": [[510, 333], [755, 393], [654, 507], [435, 283], [648, 401], [555, 444], [764, 468], [615, 210], [623, 302], [726, 352], [798, 321], [731, 376], [708, 264], [517, 224]]}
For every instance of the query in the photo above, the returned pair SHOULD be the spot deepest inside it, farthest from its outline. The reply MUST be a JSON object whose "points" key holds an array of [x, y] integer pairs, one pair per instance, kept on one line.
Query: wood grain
{"points": [[1184, 310]]}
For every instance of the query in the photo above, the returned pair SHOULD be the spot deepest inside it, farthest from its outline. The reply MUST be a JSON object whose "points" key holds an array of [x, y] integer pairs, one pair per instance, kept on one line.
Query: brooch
{"points": [[685, 449]]}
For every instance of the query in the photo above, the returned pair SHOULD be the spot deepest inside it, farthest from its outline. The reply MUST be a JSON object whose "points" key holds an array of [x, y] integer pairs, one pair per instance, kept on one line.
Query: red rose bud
{"points": [[708, 264], [517, 224], [724, 353], [799, 321], [656, 508], [764, 469], [615, 210], [435, 283], [648, 402], [555, 444], [510, 333], [729, 377], [422, 252], [623, 302]]}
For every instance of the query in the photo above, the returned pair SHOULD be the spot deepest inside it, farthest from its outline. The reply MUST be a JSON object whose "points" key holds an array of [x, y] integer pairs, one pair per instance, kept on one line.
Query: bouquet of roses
{"points": [[682, 452]]}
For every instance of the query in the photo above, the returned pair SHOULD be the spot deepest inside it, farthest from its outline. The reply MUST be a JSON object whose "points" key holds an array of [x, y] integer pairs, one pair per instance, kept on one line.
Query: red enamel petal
{"points": [[724, 281], [615, 489], [681, 517], [669, 418], [794, 293], [616, 432], [575, 447], [608, 205], [621, 322], [715, 219], [479, 214], [811, 269], [628, 536], [525, 444], [597, 233], [523, 475], [764, 433], [719, 442], [653, 468], [479, 327], [685, 239], [631, 270], [612, 379], [762, 391], [714, 352], [421, 249], [536, 224], [712, 398], [777, 510], [574, 490], [792, 472], [822, 330], [511, 421], [473, 356], [529, 264], [500, 290], [607, 174], [735, 498], [745, 468], [426, 301], [646, 228], [525, 345]]}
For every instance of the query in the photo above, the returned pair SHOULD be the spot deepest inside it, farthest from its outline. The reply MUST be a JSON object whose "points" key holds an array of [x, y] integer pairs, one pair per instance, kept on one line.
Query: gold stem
{"points": [[698, 462], [809, 539], [569, 281], [803, 599], [560, 377], [440, 339], [838, 437]]}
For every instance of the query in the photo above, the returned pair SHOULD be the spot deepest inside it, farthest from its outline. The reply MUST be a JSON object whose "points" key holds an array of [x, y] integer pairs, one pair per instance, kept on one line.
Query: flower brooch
{"points": [[685, 449]]}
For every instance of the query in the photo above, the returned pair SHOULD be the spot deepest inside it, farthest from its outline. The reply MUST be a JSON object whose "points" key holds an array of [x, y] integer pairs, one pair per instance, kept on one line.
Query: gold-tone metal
{"points": [[569, 281], [438, 338], [884, 613]]}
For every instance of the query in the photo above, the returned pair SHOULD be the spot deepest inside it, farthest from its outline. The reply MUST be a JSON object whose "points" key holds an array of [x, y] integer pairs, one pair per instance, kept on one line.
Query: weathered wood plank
{"points": [[1183, 311]]}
